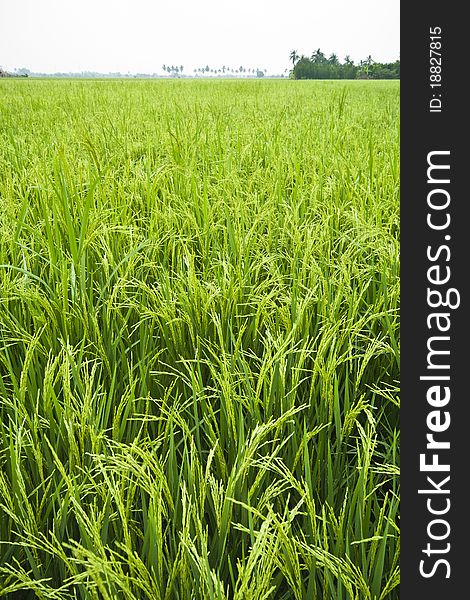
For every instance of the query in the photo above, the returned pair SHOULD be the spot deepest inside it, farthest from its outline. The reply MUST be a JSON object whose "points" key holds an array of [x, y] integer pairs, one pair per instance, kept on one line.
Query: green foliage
{"points": [[199, 340], [320, 67], [385, 70]]}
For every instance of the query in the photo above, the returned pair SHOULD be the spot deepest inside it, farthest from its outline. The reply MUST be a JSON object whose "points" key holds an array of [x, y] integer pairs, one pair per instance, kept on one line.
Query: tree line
{"points": [[4, 73], [319, 66], [220, 71]]}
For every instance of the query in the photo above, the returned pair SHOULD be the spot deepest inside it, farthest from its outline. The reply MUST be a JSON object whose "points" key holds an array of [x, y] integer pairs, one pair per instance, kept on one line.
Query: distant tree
{"points": [[365, 67], [384, 71], [349, 69], [318, 57], [319, 67], [22, 72], [333, 60], [305, 68], [294, 57]]}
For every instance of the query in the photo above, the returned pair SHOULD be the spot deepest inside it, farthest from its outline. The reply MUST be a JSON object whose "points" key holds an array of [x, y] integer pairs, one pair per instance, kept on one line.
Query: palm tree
{"points": [[333, 60], [294, 57], [318, 56], [365, 65]]}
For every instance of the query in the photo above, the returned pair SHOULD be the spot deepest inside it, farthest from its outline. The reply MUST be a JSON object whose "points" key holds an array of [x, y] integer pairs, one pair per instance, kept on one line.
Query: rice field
{"points": [[199, 340]]}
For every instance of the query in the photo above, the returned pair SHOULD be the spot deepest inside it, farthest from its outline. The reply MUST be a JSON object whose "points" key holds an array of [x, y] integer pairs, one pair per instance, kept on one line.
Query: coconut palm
{"points": [[333, 60], [318, 56], [294, 57]]}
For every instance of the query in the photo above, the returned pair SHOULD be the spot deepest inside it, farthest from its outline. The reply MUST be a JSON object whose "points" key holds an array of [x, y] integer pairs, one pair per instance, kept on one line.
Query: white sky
{"points": [[142, 35]]}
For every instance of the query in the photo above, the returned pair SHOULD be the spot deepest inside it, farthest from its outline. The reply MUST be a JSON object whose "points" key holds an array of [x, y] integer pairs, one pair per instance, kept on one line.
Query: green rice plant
{"points": [[199, 340]]}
